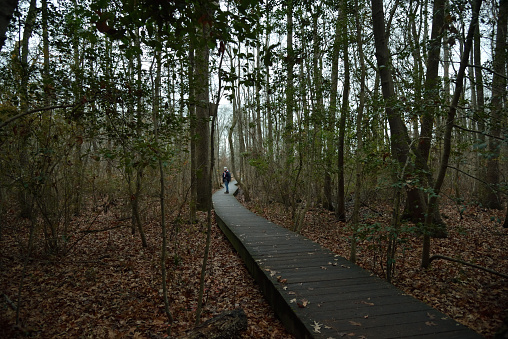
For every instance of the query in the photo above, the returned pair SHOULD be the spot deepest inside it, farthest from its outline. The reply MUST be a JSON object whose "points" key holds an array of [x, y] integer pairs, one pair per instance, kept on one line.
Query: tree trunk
{"points": [[479, 110], [136, 197], [77, 90], [290, 106], [267, 62], [202, 117], [399, 141], [162, 193], [7, 8], [259, 135], [359, 135], [459, 84], [23, 194], [493, 198], [330, 144], [432, 88], [209, 210], [192, 131], [318, 151], [340, 213]]}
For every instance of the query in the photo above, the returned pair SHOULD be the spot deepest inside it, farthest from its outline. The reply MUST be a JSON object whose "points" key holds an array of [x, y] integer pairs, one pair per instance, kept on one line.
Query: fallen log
{"points": [[223, 326]]}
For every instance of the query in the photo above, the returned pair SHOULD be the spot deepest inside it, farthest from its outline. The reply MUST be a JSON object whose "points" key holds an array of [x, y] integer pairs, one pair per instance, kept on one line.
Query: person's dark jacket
{"points": [[226, 176]]}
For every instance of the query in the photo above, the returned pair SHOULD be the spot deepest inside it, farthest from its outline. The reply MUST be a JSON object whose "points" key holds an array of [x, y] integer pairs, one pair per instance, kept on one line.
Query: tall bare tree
{"points": [[447, 142], [498, 110], [201, 78], [340, 213]]}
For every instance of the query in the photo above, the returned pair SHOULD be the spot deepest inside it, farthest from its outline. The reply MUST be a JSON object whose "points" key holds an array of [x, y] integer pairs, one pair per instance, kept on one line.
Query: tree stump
{"points": [[223, 326]]}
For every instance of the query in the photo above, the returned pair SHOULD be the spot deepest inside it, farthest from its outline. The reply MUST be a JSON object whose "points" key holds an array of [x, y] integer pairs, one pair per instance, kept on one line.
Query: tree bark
{"points": [[330, 144], [267, 62], [359, 135], [192, 131], [399, 141], [259, 134], [7, 8], [136, 197], [201, 88], [162, 193], [459, 84], [479, 110], [493, 198], [290, 69], [290, 106], [431, 96], [209, 210], [22, 68], [340, 213]]}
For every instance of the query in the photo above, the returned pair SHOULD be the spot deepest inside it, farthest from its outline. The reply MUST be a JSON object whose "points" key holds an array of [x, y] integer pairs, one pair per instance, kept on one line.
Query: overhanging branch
{"points": [[19, 116], [478, 132]]}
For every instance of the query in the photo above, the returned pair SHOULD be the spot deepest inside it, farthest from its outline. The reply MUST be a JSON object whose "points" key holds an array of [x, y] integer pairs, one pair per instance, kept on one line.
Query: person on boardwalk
{"points": [[226, 178]]}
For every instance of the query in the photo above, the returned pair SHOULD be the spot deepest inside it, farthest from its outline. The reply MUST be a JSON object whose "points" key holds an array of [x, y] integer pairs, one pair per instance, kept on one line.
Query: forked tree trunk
{"points": [[432, 88], [447, 142], [399, 140]]}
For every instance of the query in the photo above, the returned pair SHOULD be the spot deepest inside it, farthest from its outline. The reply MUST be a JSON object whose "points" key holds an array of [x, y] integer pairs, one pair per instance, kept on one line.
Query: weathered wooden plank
{"points": [[317, 294]]}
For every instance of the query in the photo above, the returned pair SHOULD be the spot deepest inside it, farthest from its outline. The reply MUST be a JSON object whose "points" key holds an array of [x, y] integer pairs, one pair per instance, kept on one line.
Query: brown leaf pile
{"points": [[473, 297], [109, 286]]}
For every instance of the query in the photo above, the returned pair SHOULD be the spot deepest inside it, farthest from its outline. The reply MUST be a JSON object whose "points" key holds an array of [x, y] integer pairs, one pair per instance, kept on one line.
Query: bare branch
{"points": [[478, 179], [437, 256], [478, 132], [16, 117]]}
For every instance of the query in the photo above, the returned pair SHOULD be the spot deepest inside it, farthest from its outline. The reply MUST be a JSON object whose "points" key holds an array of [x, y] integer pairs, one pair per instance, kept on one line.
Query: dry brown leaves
{"points": [[472, 297], [109, 286]]}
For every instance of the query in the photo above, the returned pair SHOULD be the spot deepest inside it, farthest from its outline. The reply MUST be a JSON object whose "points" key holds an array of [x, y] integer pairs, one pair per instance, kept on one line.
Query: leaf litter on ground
{"points": [[109, 286]]}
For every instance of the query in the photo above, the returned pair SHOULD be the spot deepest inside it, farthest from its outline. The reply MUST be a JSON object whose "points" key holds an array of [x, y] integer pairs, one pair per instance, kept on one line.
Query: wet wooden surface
{"points": [[318, 294]]}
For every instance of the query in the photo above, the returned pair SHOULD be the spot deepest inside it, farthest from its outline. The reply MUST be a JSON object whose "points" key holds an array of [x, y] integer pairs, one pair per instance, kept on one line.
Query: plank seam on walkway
{"points": [[317, 294]]}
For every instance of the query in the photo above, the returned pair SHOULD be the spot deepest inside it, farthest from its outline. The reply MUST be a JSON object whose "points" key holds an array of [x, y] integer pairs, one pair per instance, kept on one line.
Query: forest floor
{"points": [[108, 286], [470, 296]]}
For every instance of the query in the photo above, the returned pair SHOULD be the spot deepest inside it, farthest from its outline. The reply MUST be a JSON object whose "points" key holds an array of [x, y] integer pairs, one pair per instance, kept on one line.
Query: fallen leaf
{"points": [[317, 327]]}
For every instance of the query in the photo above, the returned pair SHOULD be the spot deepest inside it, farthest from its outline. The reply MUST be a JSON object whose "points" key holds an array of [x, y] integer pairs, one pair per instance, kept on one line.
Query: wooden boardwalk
{"points": [[317, 294]]}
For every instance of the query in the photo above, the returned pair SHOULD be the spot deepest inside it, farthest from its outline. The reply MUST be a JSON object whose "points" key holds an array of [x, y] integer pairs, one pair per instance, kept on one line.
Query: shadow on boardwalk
{"points": [[317, 294]]}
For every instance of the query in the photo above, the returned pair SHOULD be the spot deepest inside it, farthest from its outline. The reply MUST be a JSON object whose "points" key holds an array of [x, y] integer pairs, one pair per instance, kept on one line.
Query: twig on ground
{"points": [[438, 256]]}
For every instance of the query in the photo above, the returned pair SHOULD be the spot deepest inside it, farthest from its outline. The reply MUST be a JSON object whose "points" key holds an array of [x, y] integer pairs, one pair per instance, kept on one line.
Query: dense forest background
{"points": [[135, 106]]}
